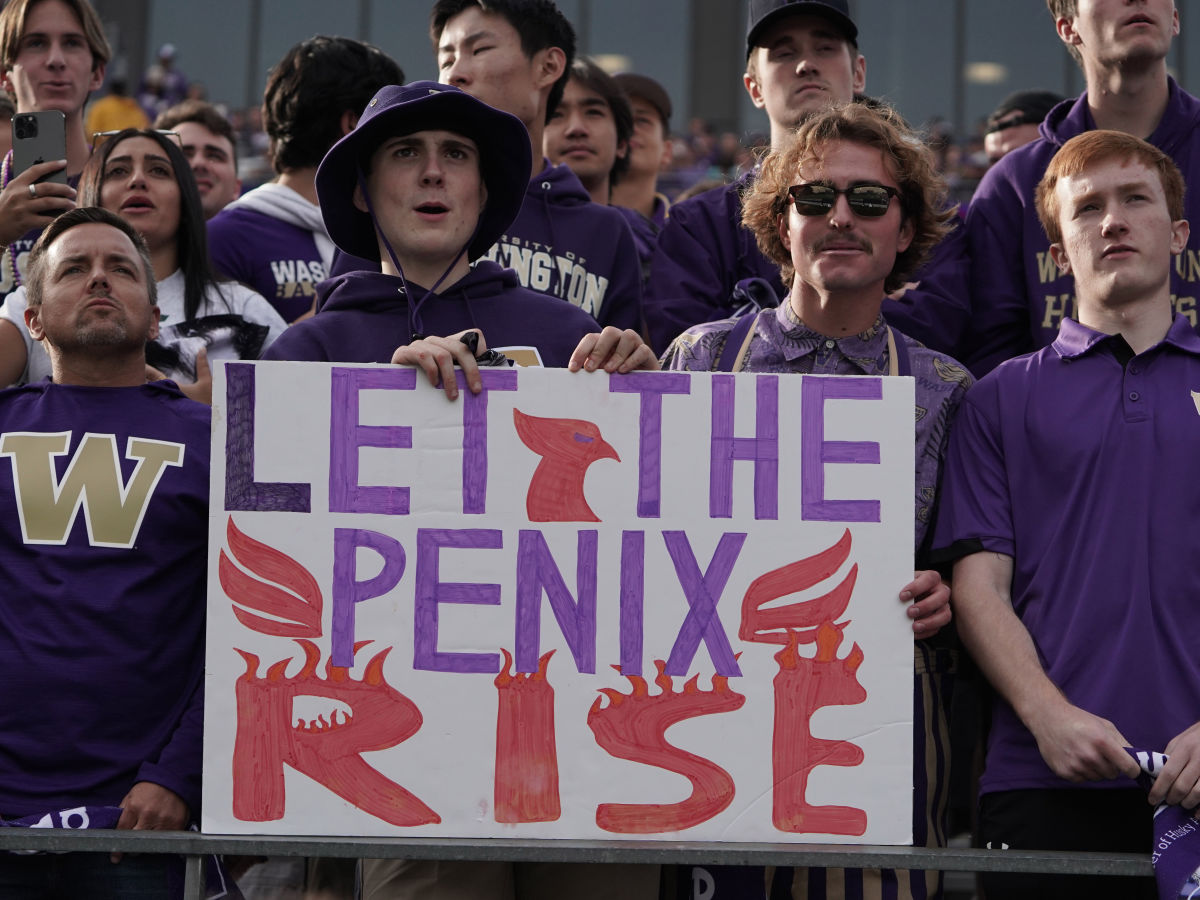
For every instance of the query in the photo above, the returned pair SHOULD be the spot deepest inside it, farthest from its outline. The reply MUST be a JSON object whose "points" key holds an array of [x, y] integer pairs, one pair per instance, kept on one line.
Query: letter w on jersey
{"points": [[112, 509]]}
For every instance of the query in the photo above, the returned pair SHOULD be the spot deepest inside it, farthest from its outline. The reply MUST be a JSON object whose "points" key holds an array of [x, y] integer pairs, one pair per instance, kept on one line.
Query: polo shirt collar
{"points": [[866, 350], [1075, 340]]}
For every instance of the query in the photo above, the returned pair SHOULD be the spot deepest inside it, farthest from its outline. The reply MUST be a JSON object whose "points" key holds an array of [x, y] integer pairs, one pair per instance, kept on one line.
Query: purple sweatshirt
{"points": [[364, 317], [704, 251], [1020, 296], [278, 259], [564, 245], [102, 600]]}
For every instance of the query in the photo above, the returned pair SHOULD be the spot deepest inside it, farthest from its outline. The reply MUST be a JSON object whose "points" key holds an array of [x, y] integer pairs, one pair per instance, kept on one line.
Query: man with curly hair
{"points": [[272, 238], [848, 207]]}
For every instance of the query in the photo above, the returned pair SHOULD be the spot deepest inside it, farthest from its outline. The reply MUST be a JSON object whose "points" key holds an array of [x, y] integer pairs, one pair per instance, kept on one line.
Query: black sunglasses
{"points": [[817, 198]]}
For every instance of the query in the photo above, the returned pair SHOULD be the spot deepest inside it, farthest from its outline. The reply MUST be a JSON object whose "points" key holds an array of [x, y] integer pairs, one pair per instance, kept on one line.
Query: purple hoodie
{"points": [[563, 245], [101, 612], [1019, 295], [704, 251], [364, 317]]}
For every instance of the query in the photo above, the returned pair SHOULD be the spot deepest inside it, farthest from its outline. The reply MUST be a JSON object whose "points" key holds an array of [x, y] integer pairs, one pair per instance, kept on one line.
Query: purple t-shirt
{"points": [[1080, 469], [277, 259], [1019, 294], [102, 609]]}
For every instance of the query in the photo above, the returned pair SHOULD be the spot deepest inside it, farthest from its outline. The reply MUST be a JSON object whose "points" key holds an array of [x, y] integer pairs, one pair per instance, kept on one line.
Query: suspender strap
{"points": [[898, 362], [737, 342]]}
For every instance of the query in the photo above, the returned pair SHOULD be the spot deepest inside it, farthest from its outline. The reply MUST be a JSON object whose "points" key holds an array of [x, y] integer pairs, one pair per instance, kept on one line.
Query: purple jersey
{"points": [[704, 251], [1019, 294], [1066, 460], [272, 249], [103, 534], [364, 317]]}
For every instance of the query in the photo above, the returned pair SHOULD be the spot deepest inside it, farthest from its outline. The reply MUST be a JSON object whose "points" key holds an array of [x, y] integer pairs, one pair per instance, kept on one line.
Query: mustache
{"points": [[844, 240]]}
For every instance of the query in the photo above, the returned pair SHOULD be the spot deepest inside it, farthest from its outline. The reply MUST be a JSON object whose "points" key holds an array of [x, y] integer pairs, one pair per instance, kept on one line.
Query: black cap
{"points": [[646, 88], [1032, 105], [767, 12]]}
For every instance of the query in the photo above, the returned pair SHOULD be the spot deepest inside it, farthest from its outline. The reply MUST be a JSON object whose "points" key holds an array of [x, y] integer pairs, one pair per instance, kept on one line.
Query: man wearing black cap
{"points": [[649, 149], [1014, 123], [801, 57]]}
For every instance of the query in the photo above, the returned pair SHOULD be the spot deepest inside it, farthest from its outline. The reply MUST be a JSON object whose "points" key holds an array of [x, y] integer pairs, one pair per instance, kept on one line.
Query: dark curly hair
{"points": [[312, 87]]}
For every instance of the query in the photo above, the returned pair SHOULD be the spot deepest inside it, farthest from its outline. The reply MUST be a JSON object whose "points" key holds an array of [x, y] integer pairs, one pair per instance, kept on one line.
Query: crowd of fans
{"points": [[531, 203]]}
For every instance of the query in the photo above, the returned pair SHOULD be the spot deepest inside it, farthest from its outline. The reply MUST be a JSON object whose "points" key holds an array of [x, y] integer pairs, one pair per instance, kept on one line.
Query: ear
{"points": [[907, 232], [622, 149], [349, 120], [1175, 21], [33, 321], [155, 314], [97, 77], [668, 155], [783, 226], [548, 66], [1059, 255], [1179, 236], [1066, 30], [357, 199], [860, 74], [754, 90]]}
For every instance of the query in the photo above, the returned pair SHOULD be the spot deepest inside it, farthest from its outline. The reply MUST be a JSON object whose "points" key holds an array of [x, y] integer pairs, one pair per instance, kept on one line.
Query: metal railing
{"points": [[195, 846]]}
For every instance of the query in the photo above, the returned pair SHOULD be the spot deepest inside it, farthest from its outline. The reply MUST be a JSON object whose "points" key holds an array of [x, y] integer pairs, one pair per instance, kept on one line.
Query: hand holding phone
{"points": [[39, 137]]}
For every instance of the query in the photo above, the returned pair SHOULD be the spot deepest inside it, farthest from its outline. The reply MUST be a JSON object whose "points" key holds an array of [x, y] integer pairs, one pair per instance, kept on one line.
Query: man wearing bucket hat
{"points": [[424, 184], [559, 242], [801, 57]]}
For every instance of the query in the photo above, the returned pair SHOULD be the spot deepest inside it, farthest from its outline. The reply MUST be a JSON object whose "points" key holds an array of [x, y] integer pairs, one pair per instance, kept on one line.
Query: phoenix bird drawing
{"points": [[567, 447]]}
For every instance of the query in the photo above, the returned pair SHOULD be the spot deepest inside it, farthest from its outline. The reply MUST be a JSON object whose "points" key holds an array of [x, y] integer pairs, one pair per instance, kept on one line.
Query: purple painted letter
{"points": [[762, 449], [242, 492], [816, 452], [651, 387], [475, 455], [346, 436], [432, 591], [348, 590], [536, 572]]}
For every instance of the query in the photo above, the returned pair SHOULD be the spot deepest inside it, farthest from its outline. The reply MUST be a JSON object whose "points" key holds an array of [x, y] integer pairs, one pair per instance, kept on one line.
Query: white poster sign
{"points": [[657, 606]]}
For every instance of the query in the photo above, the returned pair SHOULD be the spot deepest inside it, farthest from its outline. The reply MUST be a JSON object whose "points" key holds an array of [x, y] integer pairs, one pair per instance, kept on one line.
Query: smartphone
{"points": [[39, 137]]}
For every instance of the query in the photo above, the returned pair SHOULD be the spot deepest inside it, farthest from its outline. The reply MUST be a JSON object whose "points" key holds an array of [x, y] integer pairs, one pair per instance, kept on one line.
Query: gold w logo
{"points": [[112, 510]]}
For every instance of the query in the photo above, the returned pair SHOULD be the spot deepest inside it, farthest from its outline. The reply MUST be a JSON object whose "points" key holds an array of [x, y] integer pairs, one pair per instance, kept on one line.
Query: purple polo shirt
{"points": [[1078, 462]]}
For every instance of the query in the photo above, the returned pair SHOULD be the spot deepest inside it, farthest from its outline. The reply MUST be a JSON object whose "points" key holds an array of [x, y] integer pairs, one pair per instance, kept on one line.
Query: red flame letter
{"points": [[634, 727], [526, 755], [328, 752]]}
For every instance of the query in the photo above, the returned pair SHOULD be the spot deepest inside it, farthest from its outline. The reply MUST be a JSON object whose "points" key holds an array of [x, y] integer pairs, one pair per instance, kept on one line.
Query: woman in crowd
{"points": [[144, 178]]}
